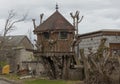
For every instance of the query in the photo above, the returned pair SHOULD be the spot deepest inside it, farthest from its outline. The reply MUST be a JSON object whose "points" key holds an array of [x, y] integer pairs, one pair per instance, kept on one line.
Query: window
{"points": [[63, 35], [46, 35]]}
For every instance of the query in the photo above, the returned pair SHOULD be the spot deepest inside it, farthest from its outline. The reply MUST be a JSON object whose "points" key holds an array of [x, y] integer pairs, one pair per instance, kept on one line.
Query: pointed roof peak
{"points": [[55, 22], [56, 7]]}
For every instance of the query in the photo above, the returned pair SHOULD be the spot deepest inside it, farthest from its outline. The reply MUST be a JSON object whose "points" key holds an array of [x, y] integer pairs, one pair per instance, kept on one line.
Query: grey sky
{"points": [[98, 14]]}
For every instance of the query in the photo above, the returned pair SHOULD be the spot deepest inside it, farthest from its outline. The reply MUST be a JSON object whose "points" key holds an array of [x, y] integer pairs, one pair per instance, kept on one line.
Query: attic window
{"points": [[63, 35], [46, 35]]}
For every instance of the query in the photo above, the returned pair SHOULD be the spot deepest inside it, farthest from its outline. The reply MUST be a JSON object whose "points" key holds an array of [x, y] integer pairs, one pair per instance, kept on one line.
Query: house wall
{"points": [[90, 43], [20, 56], [28, 61], [94, 42], [14, 60], [25, 55], [60, 45], [35, 66]]}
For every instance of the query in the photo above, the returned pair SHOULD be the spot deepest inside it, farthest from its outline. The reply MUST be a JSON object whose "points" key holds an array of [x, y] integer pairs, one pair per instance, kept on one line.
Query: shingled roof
{"points": [[55, 22], [14, 41]]}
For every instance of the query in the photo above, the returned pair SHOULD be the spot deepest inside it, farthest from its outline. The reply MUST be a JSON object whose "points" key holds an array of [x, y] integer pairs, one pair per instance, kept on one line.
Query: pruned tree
{"points": [[76, 20]]}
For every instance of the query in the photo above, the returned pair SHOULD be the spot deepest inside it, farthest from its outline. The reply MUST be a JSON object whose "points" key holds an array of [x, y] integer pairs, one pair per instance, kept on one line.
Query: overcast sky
{"points": [[98, 14]]}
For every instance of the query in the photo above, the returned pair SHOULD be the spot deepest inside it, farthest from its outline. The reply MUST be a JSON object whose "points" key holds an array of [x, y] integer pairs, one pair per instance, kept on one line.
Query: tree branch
{"points": [[10, 23]]}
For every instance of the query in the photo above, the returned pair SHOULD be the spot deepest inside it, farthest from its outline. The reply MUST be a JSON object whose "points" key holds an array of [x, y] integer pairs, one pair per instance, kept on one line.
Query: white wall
{"points": [[94, 42], [25, 56], [90, 43]]}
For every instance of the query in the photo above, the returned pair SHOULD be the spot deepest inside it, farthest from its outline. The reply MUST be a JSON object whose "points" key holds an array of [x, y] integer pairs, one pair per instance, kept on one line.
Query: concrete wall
{"points": [[35, 66], [20, 56], [25, 56]]}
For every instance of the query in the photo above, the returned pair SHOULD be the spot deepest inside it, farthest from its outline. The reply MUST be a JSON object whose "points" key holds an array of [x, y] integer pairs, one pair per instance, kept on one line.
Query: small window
{"points": [[46, 35], [63, 35]]}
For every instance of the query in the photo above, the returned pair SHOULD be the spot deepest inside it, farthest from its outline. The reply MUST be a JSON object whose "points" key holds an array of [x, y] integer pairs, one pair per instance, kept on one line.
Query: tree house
{"points": [[54, 42]]}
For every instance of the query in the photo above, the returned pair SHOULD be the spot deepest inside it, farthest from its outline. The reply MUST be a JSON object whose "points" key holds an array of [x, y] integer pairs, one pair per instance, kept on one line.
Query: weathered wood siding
{"points": [[60, 45]]}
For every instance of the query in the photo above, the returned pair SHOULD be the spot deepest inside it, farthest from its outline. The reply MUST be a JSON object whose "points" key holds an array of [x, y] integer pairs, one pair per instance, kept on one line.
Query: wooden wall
{"points": [[58, 45]]}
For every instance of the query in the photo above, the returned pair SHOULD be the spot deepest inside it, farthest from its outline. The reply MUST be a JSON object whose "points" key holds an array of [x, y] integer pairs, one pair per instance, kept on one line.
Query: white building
{"points": [[92, 41]]}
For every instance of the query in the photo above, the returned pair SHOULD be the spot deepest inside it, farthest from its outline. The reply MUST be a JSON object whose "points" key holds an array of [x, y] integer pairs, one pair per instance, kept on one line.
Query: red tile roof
{"points": [[55, 22]]}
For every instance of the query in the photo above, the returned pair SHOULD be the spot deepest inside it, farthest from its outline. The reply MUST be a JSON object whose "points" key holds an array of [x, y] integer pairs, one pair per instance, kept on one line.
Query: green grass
{"points": [[40, 81]]}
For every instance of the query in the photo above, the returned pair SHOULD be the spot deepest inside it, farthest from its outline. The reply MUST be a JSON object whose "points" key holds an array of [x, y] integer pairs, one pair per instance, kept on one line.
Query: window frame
{"points": [[46, 35], [61, 36]]}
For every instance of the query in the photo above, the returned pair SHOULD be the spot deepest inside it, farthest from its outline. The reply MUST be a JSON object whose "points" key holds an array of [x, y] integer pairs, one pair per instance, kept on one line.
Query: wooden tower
{"points": [[54, 40]]}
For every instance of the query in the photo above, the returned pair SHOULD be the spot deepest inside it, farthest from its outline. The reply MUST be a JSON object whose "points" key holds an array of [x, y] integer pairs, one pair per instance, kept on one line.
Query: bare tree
{"points": [[5, 51], [11, 21]]}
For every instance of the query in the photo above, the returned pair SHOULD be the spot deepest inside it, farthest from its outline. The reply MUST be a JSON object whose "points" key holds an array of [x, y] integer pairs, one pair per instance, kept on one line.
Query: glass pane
{"points": [[46, 35], [63, 35]]}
